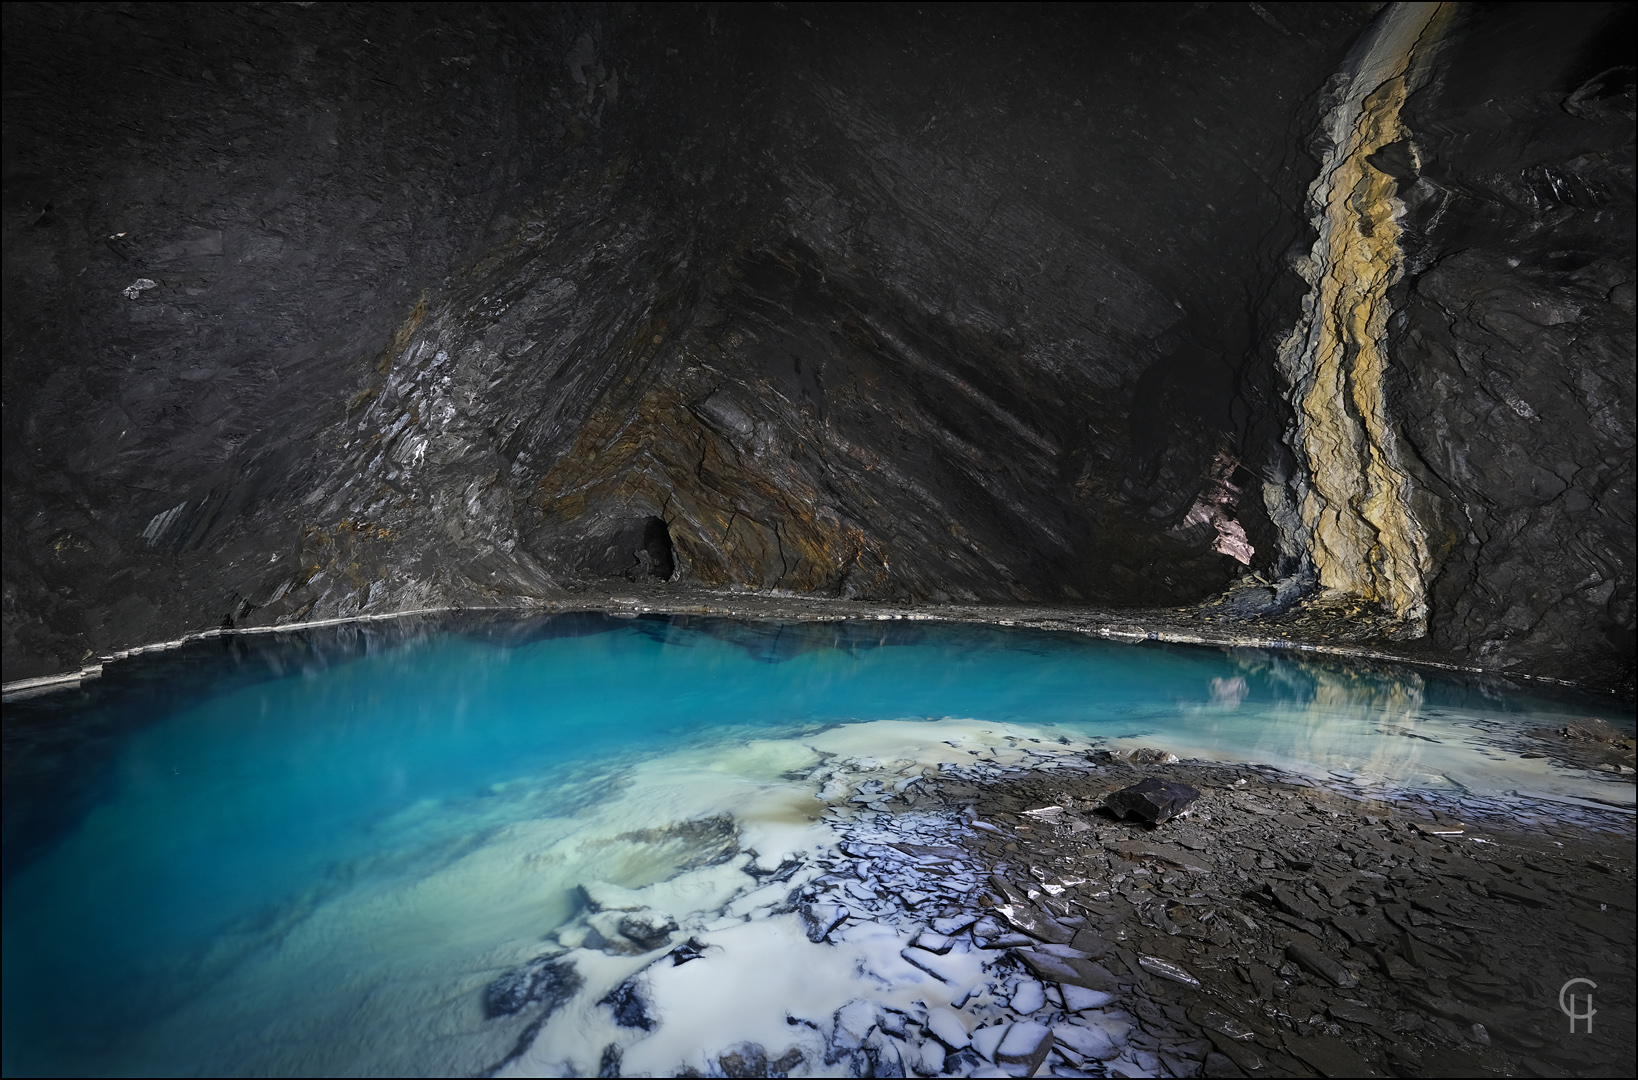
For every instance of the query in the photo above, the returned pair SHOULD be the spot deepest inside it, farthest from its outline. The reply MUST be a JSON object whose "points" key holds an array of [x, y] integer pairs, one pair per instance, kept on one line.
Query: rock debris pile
{"points": [[986, 920]]}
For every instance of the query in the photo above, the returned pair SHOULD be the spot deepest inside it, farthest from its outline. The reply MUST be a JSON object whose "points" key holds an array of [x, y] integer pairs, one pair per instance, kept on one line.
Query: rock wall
{"points": [[316, 310], [1353, 522], [1512, 373]]}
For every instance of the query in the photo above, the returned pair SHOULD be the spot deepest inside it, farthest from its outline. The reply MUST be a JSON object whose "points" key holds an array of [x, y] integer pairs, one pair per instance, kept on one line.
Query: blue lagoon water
{"points": [[309, 853]]}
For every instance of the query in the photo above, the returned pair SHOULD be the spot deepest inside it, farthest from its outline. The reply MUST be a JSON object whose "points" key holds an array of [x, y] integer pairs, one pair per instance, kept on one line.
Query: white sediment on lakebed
{"points": [[742, 843], [866, 990], [392, 966]]}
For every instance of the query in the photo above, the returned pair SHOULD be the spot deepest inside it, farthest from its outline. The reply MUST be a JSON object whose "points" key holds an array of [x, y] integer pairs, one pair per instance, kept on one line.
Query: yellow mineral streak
{"points": [[1364, 539]]}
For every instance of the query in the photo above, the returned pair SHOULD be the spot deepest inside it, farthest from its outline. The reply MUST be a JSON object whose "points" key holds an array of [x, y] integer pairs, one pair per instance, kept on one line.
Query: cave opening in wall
{"points": [[644, 521], [658, 558]]}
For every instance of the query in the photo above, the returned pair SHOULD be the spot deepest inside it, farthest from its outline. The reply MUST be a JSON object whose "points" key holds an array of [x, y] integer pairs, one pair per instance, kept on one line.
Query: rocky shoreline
{"points": [[1011, 926], [1320, 627], [1299, 929]]}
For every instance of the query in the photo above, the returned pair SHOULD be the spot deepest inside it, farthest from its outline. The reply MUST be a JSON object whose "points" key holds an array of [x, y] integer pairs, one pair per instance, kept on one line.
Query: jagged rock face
{"points": [[452, 306], [1513, 348], [470, 304]]}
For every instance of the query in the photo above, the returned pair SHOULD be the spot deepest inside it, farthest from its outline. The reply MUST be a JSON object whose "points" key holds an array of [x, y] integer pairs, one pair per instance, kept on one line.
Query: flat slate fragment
{"points": [[1151, 799], [1332, 1057]]}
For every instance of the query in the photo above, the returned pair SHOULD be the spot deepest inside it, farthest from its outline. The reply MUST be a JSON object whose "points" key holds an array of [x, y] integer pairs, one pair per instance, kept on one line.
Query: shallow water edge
{"points": [[1324, 637]]}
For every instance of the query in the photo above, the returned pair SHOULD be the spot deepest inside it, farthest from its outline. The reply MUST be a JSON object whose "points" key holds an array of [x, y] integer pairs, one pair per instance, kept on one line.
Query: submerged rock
{"points": [[1152, 800], [547, 981], [630, 1009], [648, 928], [692, 949], [820, 919]]}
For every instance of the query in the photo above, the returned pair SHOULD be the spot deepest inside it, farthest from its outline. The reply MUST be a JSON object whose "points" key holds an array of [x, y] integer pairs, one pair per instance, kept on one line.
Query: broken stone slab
{"points": [[1089, 942], [1017, 910], [1311, 929], [1068, 969], [1168, 969], [543, 981], [955, 924], [1077, 998], [1242, 1054], [1151, 799], [933, 942], [648, 928], [1173, 857], [1026, 1043], [692, 949], [820, 919], [1522, 894], [1355, 1013], [945, 1026], [1027, 997], [985, 1040], [1330, 1057], [1310, 957], [930, 853], [1510, 1031], [1296, 904], [1361, 931], [1087, 1040], [1219, 1065], [1230, 1027], [852, 1024]]}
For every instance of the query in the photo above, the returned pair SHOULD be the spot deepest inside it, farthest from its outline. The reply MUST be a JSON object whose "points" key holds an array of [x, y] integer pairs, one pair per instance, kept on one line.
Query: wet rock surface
{"points": [[1288, 928], [1284, 927]]}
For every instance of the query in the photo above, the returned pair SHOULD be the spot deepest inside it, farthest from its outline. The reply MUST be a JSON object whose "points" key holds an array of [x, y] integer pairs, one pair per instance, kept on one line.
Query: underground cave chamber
{"points": [[659, 539]]}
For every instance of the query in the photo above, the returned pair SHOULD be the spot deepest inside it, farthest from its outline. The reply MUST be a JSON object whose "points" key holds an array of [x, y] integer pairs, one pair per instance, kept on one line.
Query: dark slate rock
{"points": [[542, 981], [1331, 1057], [1218, 1065], [1068, 969], [1296, 904], [1152, 800], [1354, 1013], [745, 1060], [818, 920], [630, 1010], [1309, 956], [692, 949], [648, 929], [1243, 1054]]}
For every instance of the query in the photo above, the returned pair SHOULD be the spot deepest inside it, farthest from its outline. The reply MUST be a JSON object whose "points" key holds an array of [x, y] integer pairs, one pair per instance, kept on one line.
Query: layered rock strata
{"points": [[1353, 495], [320, 311]]}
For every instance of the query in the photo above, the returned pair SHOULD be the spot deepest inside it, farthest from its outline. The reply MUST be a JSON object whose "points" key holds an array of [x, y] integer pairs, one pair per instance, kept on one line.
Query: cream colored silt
{"points": [[1355, 497]]}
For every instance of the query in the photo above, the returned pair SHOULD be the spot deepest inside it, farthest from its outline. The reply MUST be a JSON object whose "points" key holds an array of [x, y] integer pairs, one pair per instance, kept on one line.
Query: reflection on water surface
{"points": [[312, 851]]}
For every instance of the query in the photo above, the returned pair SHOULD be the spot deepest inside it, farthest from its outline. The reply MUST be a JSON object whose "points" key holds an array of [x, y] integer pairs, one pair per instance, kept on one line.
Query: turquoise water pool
{"points": [[310, 854]]}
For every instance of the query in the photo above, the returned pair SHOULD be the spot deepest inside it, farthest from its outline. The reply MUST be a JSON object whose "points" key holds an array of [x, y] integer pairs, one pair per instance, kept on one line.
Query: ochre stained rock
{"points": [[1362, 536]]}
